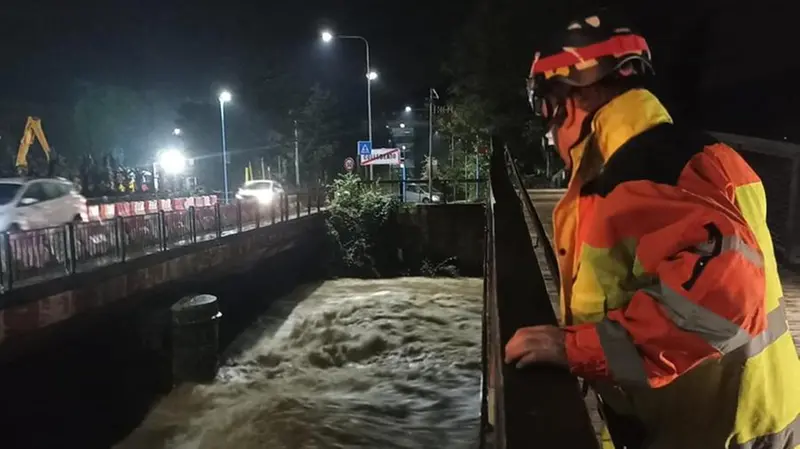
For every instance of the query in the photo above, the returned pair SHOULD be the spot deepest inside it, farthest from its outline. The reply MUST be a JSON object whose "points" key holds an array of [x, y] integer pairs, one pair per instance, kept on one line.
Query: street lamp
{"points": [[224, 97], [328, 36], [176, 132], [408, 109], [402, 125]]}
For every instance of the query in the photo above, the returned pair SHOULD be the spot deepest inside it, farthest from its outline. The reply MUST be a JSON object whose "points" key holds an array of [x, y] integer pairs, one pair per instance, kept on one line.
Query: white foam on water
{"points": [[376, 364]]}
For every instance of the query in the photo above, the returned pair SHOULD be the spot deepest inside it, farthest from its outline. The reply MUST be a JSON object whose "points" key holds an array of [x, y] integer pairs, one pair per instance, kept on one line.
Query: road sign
{"points": [[382, 156], [349, 164], [364, 147]]}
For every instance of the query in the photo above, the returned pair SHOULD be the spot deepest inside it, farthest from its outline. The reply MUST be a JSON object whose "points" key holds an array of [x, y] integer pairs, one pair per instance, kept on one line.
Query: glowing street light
{"points": [[327, 36], [408, 109], [176, 132], [402, 125], [172, 161], [225, 96]]}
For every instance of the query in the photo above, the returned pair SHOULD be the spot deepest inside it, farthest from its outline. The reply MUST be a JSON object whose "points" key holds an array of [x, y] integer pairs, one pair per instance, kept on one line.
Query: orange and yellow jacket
{"points": [[670, 294]]}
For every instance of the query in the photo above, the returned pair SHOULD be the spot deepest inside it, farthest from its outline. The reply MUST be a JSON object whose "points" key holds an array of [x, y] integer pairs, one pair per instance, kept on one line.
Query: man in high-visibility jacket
{"points": [[670, 299]]}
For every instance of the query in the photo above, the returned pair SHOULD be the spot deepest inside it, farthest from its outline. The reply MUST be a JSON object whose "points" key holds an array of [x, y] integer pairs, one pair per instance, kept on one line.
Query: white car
{"points": [[39, 203], [264, 191], [416, 193]]}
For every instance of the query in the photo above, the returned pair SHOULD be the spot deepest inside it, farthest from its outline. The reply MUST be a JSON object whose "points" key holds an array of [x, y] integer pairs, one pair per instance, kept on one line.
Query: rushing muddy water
{"points": [[345, 364]]}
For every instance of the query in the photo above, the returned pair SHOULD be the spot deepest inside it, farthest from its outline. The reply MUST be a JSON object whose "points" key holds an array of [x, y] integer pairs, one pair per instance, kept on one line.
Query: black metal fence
{"points": [[540, 406], [28, 257], [444, 190]]}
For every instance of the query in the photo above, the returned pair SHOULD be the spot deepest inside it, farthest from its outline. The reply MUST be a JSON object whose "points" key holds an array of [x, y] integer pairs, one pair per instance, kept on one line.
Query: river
{"points": [[346, 363]]}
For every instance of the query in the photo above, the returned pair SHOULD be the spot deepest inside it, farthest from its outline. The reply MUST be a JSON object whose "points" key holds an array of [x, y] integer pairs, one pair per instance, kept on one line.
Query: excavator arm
{"points": [[33, 130]]}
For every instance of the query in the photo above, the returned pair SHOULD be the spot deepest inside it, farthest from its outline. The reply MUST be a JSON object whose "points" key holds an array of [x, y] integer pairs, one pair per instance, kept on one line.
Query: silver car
{"points": [[39, 203]]}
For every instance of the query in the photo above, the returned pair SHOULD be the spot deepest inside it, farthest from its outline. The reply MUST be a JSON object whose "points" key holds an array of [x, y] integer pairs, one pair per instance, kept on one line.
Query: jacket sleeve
{"points": [[706, 298]]}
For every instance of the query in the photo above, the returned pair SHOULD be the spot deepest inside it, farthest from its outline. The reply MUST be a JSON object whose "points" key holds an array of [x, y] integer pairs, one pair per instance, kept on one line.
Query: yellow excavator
{"points": [[33, 130]]}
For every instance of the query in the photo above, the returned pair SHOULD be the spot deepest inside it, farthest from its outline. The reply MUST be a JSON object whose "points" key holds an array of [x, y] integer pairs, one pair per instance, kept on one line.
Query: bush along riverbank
{"points": [[367, 239]]}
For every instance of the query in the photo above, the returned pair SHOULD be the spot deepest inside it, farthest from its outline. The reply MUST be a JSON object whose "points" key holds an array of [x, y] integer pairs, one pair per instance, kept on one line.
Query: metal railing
{"points": [[445, 190], [539, 406], [778, 166], [29, 257]]}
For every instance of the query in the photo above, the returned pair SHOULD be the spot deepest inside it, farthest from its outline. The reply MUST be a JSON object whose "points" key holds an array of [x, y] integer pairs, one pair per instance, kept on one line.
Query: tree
{"points": [[491, 58], [319, 130]]}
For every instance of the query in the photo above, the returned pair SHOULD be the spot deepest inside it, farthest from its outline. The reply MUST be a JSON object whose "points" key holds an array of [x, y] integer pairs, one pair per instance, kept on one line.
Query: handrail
{"points": [[549, 253], [540, 405]]}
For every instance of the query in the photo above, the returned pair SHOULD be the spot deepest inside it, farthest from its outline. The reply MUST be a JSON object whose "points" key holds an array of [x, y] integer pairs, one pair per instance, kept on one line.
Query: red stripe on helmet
{"points": [[621, 44]]}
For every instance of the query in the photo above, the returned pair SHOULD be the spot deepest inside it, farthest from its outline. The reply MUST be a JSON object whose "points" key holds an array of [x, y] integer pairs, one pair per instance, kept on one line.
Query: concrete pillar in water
{"points": [[195, 339]]}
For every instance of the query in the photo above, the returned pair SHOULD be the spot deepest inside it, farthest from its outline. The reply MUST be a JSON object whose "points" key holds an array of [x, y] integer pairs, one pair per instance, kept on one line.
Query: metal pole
{"points": [[224, 150], [296, 158], [263, 172], [430, 141], [369, 102]]}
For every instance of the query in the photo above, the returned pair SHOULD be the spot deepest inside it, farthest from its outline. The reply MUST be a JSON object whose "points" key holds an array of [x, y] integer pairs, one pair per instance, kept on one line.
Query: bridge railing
{"points": [[538, 406], [445, 190], [28, 257], [778, 166]]}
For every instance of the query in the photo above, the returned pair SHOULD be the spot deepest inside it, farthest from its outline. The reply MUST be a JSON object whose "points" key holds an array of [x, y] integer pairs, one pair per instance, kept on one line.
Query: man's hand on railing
{"points": [[537, 344]]}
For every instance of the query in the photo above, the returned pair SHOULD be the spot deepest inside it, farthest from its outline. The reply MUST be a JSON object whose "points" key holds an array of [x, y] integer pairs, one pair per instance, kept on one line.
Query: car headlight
{"points": [[435, 198], [264, 197]]}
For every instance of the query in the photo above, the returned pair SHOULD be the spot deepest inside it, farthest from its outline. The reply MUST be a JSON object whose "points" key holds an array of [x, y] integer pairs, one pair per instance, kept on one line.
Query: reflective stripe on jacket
{"points": [[670, 290]]}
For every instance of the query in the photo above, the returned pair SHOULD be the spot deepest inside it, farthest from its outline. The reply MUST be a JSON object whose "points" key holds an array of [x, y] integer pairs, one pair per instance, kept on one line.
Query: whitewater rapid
{"points": [[347, 363]]}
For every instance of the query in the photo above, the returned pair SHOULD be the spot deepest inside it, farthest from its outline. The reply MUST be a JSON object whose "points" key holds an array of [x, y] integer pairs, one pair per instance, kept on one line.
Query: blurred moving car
{"points": [[39, 203], [417, 193], [264, 191]]}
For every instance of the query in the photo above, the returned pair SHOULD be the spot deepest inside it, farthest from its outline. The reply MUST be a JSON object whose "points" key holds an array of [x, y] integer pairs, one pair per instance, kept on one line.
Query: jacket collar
{"points": [[621, 119]]}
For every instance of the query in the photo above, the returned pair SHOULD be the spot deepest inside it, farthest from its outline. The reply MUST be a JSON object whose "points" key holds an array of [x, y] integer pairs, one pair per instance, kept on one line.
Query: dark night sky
{"points": [[188, 49]]}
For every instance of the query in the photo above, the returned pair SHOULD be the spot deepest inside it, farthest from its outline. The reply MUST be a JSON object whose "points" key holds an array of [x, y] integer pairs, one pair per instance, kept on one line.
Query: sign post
{"points": [[364, 148]]}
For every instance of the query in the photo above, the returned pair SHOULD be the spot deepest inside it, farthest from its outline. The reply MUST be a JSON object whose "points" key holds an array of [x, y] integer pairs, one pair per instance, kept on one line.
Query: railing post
{"points": [[238, 216], [297, 203], [320, 198], [119, 230], [162, 229], [193, 223], [71, 247], [218, 219], [308, 201], [9, 259], [284, 200]]}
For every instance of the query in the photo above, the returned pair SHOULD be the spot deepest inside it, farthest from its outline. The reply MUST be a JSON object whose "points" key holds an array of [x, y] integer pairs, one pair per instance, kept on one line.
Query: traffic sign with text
{"points": [[349, 164], [382, 156]]}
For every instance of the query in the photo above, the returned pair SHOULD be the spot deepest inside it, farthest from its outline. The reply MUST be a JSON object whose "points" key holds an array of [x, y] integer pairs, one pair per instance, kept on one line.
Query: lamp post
{"points": [[327, 37], [224, 97], [433, 96]]}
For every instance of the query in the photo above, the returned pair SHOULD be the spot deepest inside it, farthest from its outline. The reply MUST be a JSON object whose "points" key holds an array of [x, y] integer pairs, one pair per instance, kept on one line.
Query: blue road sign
{"points": [[364, 147]]}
